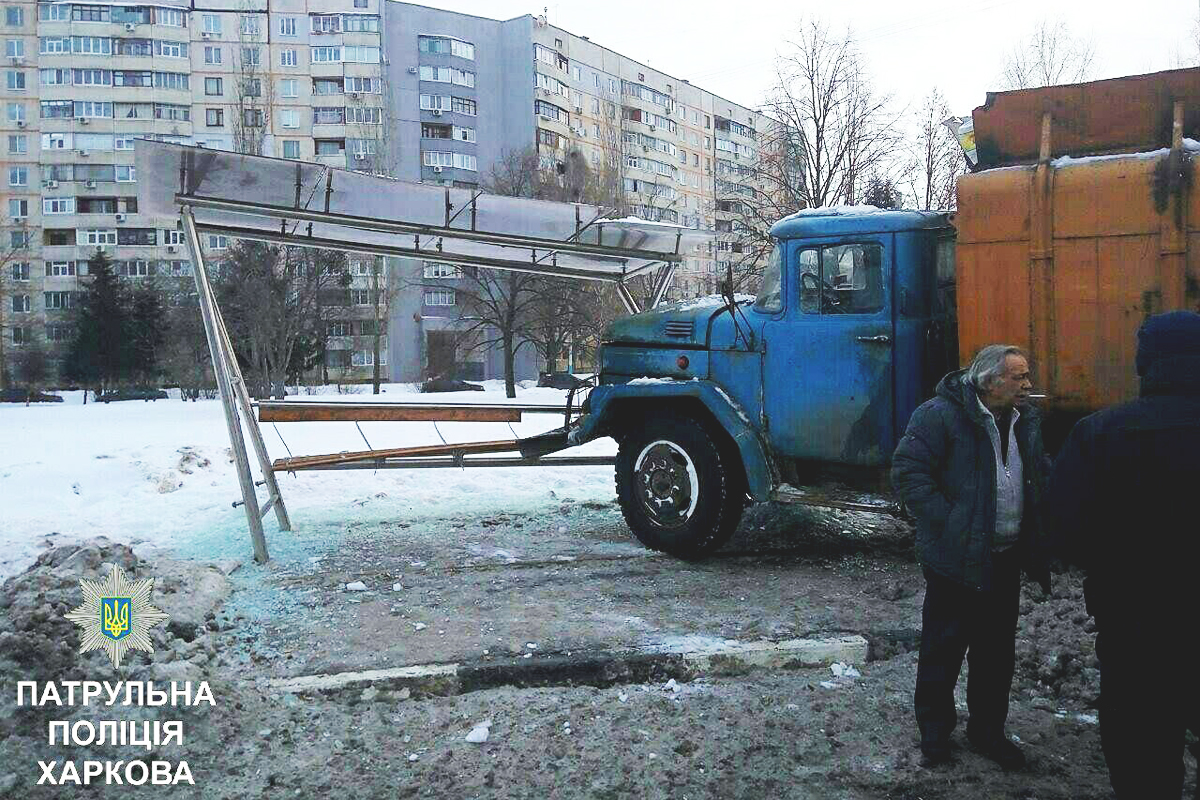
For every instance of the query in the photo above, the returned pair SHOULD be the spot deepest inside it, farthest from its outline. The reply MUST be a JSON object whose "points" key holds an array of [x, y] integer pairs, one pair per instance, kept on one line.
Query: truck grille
{"points": [[678, 327]]}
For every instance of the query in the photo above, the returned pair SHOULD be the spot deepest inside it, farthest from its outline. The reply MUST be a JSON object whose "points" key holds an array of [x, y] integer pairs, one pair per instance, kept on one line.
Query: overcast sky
{"points": [[729, 47]]}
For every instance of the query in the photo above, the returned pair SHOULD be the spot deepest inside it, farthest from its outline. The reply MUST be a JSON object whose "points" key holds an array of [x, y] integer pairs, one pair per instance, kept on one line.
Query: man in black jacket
{"points": [[972, 469], [1123, 499]]}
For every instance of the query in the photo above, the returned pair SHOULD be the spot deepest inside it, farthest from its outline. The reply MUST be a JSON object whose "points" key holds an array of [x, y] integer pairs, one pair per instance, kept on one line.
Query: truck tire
{"points": [[676, 490]]}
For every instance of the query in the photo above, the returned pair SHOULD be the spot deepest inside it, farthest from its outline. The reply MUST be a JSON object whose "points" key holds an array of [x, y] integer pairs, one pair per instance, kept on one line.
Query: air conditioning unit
{"points": [[84, 153], [360, 156], [90, 184], [437, 169], [206, 34], [354, 95], [651, 128], [645, 149], [120, 217], [171, 249], [412, 70], [437, 112], [82, 120], [129, 26], [51, 184], [20, 123]]}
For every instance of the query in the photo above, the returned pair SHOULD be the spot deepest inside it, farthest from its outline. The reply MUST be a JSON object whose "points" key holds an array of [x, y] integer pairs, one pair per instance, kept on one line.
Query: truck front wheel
{"points": [[676, 491]]}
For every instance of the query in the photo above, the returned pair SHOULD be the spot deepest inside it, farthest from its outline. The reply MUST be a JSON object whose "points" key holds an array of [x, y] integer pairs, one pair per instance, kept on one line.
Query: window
{"points": [[124, 77], [364, 85], [126, 173], [366, 358], [364, 116], [54, 12], [19, 240], [338, 327], [58, 332], [361, 147], [60, 269], [20, 335], [291, 148], [251, 56], [330, 147], [439, 297], [172, 237], [549, 111], [212, 54], [429, 131], [170, 49], [179, 113], [327, 85], [287, 58], [575, 73], [251, 87], [360, 23], [57, 301], [252, 117], [18, 144], [170, 16], [360, 4], [289, 118], [171, 80], [249, 25], [326, 23], [133, 47], [20, 271], [20, 304], [464, 134], [15, 80], [137, 236], [86, 238], [841, 279], [17, 208], [212, 23], [123, 141], [463, 105], [287, 26], [213, 86], [14, 16], [16, 111], [360, 54], [431, 102], [360, 297], [18, 176], [218, 242], [329, 116], [58, 205], [436, 269], [325, 55], [439, 44], [287, 87]]}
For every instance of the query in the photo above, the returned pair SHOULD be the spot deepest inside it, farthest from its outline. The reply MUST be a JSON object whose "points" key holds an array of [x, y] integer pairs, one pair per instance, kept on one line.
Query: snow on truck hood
{"points": [[681, 323]]}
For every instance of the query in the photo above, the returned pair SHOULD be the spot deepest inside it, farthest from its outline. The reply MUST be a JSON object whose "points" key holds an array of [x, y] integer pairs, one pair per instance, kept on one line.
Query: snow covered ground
{"points": [[159, 474]]}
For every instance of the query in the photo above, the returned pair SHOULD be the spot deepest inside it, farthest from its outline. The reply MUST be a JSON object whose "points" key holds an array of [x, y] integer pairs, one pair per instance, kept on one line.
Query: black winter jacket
{"points": [[945, 470], [1123, 502]]}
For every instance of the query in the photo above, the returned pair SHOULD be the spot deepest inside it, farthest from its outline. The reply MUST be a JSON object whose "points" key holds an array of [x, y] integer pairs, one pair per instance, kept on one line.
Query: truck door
{"points": [[827, 379]]}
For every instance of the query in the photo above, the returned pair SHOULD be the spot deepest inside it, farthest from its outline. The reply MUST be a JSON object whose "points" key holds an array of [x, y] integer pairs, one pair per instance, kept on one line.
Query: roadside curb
{"points": [[592, 668]]}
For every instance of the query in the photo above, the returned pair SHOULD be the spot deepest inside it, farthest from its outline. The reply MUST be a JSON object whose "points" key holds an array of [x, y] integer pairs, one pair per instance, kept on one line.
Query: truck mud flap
{"points": [[544, 443]]}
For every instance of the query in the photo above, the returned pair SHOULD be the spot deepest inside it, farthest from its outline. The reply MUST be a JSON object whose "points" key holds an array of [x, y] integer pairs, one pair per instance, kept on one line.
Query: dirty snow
{"points": [[1063, 161], [158, 475]]}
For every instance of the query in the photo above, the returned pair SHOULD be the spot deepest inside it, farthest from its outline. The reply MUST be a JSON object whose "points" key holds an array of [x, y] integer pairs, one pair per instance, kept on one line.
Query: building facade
{"points": [[394, 88], [296, 79]]}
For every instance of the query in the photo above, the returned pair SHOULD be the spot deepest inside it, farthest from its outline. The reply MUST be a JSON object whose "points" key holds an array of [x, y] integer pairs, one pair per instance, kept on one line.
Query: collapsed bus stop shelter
{"points": [[302, 204]]}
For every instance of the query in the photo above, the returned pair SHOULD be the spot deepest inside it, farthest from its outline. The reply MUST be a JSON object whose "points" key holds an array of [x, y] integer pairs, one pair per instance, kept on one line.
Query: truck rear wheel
{"points": [[676, 490]]}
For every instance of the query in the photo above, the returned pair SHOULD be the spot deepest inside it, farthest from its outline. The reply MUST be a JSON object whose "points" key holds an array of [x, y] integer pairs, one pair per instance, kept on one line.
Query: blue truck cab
{"points": [[718, 402]]}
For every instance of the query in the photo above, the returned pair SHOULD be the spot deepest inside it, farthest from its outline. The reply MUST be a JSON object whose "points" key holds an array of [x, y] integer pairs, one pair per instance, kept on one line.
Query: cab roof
{"points": [[839, 220]]}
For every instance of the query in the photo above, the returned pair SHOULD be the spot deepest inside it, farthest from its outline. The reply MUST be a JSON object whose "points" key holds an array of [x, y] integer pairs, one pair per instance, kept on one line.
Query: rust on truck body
{"points": [[1067, 257]]}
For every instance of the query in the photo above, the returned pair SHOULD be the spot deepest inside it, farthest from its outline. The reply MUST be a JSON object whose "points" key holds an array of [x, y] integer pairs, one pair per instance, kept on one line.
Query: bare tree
{"points": [[278, 300], [937, 158], [1048, 56], [254, 88], [829, 129]]}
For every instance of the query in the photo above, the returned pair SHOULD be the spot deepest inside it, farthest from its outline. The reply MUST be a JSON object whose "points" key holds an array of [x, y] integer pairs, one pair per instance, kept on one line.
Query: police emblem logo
{"points": [[116, 615]]}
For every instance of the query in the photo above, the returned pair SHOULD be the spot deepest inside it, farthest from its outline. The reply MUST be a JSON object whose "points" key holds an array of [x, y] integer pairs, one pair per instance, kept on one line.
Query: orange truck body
{"points": [[1067, 256]]}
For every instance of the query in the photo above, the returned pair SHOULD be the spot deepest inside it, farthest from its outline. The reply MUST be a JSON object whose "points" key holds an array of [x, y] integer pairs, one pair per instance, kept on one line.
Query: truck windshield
{"points": [[770, 291]]}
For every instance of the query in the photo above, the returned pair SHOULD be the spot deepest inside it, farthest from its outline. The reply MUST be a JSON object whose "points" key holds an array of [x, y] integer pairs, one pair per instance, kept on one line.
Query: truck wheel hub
{"points": [[666, 483]]}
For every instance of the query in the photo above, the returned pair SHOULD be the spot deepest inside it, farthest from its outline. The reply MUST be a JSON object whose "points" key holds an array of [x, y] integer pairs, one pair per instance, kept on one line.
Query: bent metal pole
{"points": [[221, 372]]}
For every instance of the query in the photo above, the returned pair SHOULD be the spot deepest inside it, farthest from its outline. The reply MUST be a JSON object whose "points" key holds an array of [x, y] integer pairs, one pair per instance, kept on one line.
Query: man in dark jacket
{"points": [[972, 469], [1123, 500]]}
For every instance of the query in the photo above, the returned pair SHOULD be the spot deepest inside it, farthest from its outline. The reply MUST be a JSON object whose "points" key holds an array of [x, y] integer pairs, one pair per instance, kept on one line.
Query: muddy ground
{"points": [[549, 590]]}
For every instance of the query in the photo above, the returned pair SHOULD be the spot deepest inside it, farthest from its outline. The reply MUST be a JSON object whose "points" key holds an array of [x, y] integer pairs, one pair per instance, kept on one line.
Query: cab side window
{"points": [[841, 279]]}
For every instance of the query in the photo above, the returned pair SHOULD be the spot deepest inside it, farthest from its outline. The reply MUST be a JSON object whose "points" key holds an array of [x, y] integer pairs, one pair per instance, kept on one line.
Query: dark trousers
{"points": [[1143, 717], [958, 621]]}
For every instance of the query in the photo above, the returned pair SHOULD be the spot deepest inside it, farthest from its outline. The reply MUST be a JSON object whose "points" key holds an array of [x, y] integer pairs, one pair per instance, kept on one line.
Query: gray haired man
{"points": [[972, 469]]}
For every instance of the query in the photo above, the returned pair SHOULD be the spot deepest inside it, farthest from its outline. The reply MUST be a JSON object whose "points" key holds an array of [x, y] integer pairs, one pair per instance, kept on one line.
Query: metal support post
{"points": [[221, 372]]}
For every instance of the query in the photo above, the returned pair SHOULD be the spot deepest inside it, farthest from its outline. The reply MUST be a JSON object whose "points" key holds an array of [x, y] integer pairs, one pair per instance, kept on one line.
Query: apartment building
{"points": [[467, 89], [294, 79]]}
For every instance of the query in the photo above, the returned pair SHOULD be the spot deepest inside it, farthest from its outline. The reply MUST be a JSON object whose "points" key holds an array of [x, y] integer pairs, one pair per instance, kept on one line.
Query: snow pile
{"points": [[833, 211], [159, 476]]}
